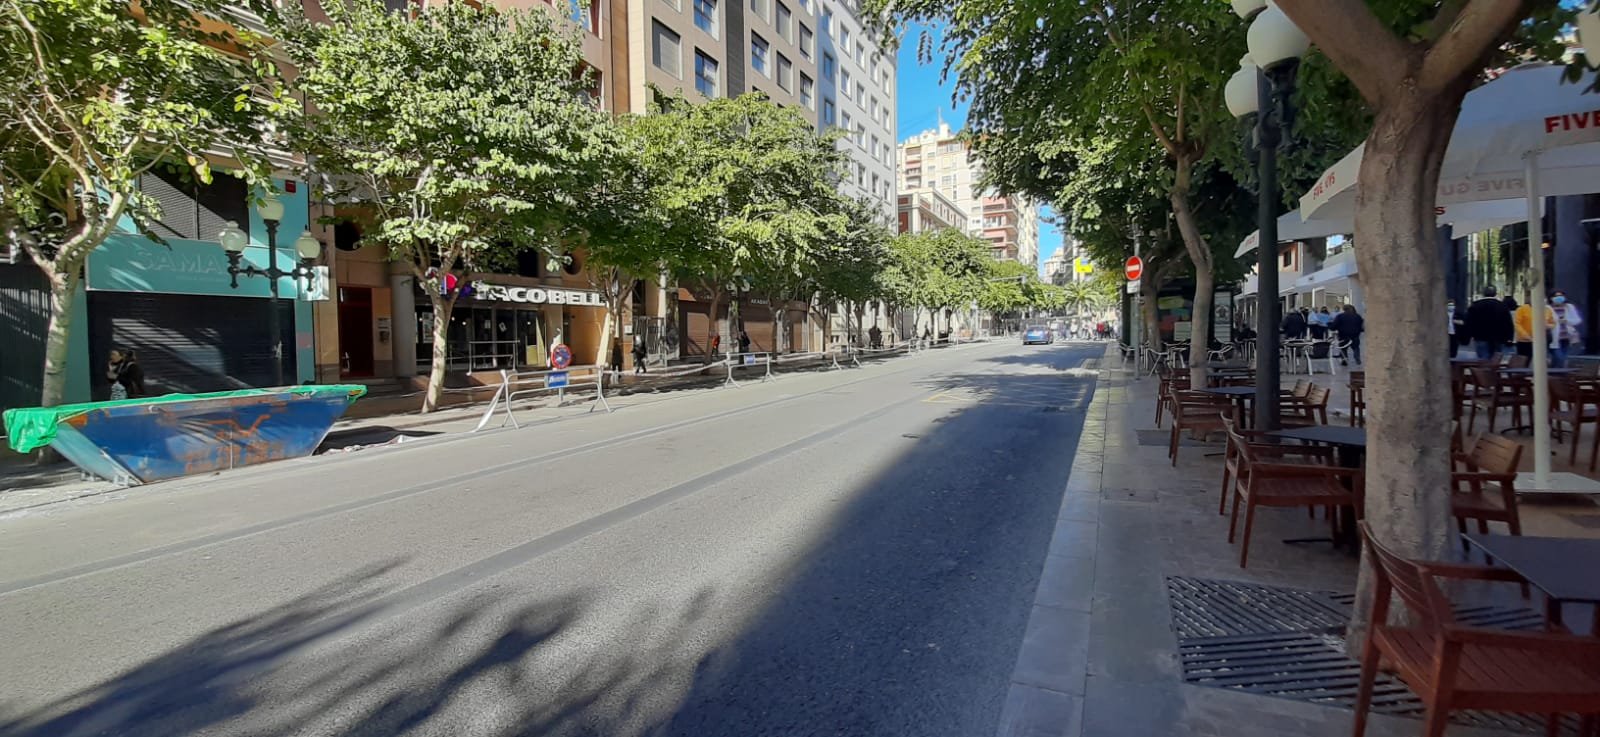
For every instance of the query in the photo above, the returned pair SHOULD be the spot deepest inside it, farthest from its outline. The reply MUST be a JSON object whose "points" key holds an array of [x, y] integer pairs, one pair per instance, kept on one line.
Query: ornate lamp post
{"points": [[307, 246], [1260, 90]]}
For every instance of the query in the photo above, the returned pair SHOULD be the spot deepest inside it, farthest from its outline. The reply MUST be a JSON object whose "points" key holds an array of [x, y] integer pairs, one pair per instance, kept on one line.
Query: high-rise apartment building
{"points": [[924, 209], [940, 160], [810, 54]]}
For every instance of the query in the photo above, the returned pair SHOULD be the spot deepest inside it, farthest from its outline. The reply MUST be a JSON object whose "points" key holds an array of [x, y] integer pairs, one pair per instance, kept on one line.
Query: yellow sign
{"points": [[1082, 266]]}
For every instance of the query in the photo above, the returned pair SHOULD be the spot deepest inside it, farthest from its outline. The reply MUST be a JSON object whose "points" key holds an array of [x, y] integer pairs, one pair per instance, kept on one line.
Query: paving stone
{"points": [[1037, 712]]}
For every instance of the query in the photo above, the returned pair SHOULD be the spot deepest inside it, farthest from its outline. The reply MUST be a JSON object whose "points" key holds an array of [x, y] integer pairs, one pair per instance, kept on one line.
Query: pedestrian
{"points": [[1487, 325], [1319, 321], [640, 354], [744, 341], [1567, 322], [1349, 326], [1455, 326], [875, 337], [1522, 319], [1294, 325], [716, 343], [125, 375]]}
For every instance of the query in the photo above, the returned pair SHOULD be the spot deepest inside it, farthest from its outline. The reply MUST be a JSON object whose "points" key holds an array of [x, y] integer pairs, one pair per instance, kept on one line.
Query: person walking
{"points": [[1522, 319], [744, 341], [1349, 326], [125, 375], [1567, 322], [1294, 325], [1487, 325], [640, 354], [1320, 320], [1455, 327]]}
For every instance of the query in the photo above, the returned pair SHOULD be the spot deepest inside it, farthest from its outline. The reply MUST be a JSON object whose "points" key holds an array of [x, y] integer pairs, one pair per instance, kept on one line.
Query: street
{"points": [[832, 553]]}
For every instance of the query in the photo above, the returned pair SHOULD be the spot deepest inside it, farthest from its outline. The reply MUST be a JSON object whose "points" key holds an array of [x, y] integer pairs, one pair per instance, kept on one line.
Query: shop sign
{"points": [[539, 295], [555, 380]]}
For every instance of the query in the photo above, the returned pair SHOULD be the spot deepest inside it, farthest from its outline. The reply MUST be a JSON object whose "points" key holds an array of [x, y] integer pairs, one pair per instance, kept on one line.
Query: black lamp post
{"points": [[308, 247], [1261, 91]]}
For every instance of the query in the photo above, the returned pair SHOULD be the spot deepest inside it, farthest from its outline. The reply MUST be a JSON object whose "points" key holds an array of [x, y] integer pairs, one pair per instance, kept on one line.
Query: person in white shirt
{"points": [[1566, 333]]}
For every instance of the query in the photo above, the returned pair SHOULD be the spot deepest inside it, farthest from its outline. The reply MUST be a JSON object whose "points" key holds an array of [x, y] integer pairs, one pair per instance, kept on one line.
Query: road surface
{"points": [[839, 553]]}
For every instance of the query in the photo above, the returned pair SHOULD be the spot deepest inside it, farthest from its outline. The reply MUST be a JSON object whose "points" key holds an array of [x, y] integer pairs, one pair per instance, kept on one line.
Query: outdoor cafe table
{"points": [[1565, 569], [1350, 443], [1241, 397]]}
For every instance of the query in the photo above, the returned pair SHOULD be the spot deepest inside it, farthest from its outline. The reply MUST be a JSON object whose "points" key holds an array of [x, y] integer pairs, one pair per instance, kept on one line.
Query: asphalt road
{"points": [[842, 553]]}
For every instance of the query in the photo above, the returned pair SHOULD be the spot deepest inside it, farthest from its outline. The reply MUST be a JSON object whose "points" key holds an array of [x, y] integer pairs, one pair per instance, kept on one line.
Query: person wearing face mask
{"points": [[1457, 327], [1567, 322]]}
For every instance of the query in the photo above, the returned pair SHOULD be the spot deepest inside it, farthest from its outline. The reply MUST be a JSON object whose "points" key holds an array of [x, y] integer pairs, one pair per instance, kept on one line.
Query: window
{"points": [[876, 152], [861, 174], [827, 23], [585, 13], [861, 95], [861, 135], [844, 36], [785, 73], [666, 50], [861, 55], [758, 55], [1288, 259], [761, 8], [676, 4], [827, 111], [827, 66], [807, 92], [805, 5], [875, 185], [844, 121], [705, 16], [844, 79], [705, 74], [194, 210], [785, 22], [875, 110], [948, 180], [807, 40]]}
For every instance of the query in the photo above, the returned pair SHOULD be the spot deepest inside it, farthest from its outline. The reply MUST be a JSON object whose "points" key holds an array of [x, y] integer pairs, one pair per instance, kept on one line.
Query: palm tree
{"points": [[1080, 296]]}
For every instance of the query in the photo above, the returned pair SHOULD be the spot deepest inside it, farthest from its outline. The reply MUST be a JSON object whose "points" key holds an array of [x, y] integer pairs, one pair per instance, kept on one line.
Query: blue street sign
{"points": [[749, 360], [556, 379]]}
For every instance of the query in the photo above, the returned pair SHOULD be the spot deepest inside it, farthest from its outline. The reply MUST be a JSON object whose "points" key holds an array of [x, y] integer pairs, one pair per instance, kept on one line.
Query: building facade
{"points": [[941, 160], [924, 209]]}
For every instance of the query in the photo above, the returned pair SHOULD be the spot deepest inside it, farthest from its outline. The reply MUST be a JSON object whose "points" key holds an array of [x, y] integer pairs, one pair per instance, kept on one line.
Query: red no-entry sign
{"points": [[1134, 268]]}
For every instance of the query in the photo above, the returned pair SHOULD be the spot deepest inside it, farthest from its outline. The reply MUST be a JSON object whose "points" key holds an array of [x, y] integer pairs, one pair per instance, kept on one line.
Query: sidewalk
{"points": [[1101, 655]]}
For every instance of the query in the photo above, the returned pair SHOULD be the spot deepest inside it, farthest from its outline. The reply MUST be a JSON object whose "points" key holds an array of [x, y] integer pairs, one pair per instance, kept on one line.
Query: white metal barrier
{"points": [[552, 380], [747, 360]]}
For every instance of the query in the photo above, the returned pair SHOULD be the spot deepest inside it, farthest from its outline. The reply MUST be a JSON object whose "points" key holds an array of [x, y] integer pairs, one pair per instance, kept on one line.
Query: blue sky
{"points": [[923, 101]]}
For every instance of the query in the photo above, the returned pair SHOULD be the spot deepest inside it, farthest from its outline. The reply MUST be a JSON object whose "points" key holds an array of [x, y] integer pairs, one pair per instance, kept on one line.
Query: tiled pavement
{"points": [[1099, 655]]}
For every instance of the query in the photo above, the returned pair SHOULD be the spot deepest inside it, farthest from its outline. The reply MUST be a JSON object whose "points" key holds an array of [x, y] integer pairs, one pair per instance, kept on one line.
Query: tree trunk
{"points": [[1148, 289], [1408, 396], [711, 323], [58, 336], [442, 307], [1204, 274]]}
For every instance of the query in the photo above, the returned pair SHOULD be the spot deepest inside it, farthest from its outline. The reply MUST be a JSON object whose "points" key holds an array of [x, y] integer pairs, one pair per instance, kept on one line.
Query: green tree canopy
{"points": [[463, 132], [92, 96]]}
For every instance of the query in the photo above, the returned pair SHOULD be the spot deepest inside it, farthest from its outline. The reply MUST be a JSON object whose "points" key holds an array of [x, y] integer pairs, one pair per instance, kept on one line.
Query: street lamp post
{"points": [[308, 247], [1262, 88]]}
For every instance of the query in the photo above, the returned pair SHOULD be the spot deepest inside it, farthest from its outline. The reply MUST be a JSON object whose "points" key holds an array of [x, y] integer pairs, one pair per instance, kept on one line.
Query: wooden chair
{"points": [[1573, 404], [1485, 490], [1517, 360], [1452, 667], [1358, 399], [1171, 382], [1197, 412], [1496, 391], [1266, 484], [1307, 412], [1265, 446]]}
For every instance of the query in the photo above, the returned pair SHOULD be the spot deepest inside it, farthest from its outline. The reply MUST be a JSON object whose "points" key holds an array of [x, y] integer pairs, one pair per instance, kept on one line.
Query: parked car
{"points": [[1037, 334]]}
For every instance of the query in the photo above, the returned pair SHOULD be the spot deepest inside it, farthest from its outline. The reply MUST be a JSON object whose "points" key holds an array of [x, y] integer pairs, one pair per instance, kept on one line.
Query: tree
{"points": [[92, 97], [1148, 72], [1412, 62], [739, 182], [941, 269], [847, 269], [463, 132]]}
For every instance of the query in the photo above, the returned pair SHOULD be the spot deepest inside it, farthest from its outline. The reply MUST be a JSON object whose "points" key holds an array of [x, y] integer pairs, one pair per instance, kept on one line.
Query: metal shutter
{"points": [[189, 343], [24, 319], [758, 324]]}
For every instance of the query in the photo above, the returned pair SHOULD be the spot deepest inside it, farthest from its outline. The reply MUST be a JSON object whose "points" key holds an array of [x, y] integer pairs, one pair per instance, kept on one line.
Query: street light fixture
{"points": [[1268, 72], [306, 246]]}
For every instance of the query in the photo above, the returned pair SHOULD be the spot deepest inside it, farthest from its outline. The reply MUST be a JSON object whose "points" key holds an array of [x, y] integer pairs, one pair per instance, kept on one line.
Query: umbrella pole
{"points": [[1536, 303]]}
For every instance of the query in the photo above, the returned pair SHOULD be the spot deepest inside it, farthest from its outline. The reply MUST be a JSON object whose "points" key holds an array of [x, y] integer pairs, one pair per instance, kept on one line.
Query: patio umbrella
{"points": [[1497, 152]]}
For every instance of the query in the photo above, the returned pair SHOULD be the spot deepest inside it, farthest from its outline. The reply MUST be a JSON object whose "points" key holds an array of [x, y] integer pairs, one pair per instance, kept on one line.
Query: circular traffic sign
{"points": [[560, 356], [1134, 268]]}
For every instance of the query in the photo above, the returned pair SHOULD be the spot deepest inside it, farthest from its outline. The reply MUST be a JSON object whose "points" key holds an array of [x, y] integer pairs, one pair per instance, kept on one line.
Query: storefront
{"points": [[498, 324], [175, 306]]}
